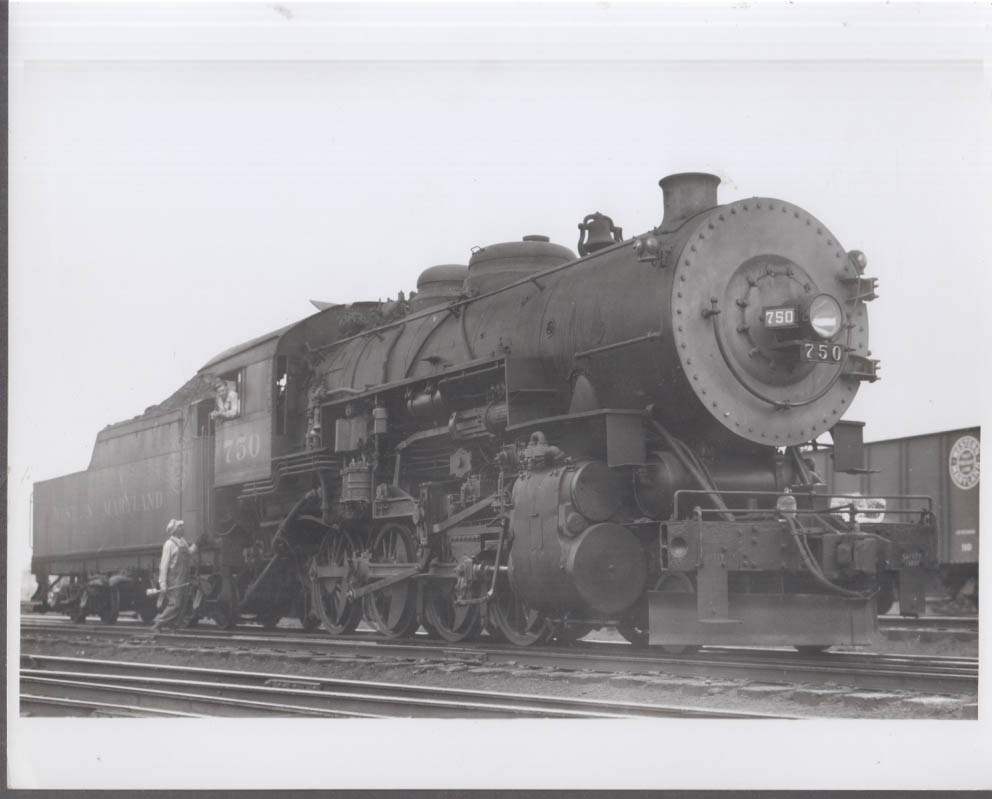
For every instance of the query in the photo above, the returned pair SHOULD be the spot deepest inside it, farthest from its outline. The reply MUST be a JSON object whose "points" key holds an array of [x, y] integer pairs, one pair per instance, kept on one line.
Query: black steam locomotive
{"points": [[536, 444]]}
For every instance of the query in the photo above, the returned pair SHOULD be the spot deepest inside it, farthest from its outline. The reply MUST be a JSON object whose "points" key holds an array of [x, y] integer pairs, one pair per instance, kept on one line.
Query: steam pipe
{"points": [[690, 467]]}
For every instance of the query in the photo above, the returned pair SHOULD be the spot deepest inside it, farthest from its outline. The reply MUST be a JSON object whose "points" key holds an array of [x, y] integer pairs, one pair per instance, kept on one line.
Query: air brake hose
{"points": [[814, 568]]}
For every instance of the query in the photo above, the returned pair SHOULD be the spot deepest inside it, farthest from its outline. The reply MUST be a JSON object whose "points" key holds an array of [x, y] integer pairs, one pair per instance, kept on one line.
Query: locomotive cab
{"points": [[262, 464]]}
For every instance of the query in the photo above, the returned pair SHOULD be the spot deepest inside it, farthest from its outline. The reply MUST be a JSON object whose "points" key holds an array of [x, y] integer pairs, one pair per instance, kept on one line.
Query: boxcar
{"points": [[945, 466]]}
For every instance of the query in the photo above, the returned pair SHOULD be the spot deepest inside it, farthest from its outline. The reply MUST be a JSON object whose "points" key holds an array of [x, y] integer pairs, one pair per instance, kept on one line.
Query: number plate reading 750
{"points": [[820, 353], [781, 316]]}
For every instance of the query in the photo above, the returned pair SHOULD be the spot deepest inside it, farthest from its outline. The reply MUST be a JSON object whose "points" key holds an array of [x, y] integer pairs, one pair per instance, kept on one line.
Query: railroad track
{"points": [[82, 686], [941, 624], [863, 670], [965, 624]]}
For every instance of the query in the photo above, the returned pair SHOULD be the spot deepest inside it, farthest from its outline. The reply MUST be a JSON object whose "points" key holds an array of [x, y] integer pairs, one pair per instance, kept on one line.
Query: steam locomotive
{"points": [[536, 444]]}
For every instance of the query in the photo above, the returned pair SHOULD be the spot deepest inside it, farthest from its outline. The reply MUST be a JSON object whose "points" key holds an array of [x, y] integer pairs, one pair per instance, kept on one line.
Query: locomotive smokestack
{"points": [[686, 194]]}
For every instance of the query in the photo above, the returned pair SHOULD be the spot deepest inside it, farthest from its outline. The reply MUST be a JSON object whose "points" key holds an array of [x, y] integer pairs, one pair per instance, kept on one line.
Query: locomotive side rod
{"points": [[386, 582]]}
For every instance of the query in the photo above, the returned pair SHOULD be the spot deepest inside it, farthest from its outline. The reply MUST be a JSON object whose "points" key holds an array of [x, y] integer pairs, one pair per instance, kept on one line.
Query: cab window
{"points": [[229, 397], [281, 388]]}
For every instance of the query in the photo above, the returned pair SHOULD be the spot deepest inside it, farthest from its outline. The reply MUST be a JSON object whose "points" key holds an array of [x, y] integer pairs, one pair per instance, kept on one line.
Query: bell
{"points": [[597, 231]]}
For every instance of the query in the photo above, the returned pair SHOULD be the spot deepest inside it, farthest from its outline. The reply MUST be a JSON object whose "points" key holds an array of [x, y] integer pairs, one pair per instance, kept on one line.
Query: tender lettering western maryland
{"points": [[112, 506]]}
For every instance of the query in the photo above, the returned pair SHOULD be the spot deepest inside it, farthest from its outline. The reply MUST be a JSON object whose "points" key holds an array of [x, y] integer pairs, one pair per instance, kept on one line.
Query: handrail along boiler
{"points": [[539, 444]]}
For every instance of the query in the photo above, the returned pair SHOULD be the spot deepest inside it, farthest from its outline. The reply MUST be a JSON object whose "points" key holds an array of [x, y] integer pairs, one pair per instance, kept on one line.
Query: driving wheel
{"points": [[329, 595], [519, 623], [393, 610], [447, 620]]}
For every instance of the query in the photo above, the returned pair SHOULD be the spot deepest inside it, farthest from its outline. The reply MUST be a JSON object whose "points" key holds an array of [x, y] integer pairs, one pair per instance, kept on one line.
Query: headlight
{"points": [[825, 316]]}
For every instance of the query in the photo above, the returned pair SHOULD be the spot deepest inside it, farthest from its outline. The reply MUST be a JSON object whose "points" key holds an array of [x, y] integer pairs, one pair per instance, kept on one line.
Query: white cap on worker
{"points": [[174, 526]]}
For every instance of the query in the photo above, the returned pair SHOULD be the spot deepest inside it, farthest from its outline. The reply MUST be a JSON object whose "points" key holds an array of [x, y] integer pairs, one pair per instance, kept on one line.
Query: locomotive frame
{"points": [[497, 453]]}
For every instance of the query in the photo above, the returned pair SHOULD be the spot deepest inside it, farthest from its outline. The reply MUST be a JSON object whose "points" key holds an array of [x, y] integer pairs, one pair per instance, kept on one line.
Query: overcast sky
{"points": [[186, 177]]}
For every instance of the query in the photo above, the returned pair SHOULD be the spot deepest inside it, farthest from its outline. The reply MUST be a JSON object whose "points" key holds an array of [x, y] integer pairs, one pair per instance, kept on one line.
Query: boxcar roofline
{"points": [[828, 445], [951, 432]]}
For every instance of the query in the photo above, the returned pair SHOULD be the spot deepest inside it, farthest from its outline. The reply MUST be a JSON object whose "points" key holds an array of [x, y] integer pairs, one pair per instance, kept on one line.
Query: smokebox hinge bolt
{"points": [[713, 311]]}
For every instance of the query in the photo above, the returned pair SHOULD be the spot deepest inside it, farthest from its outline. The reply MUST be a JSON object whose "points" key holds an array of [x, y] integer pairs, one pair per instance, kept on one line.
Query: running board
{"points": [[763, 620]]}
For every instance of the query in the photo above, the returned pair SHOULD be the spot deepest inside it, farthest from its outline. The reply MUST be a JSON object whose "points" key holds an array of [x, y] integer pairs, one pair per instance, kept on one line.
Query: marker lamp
{"points": [[786, 504]]}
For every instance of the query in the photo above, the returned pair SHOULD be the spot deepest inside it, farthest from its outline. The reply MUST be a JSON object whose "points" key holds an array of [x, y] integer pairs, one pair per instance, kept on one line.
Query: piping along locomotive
{"points": [[540, 445]]}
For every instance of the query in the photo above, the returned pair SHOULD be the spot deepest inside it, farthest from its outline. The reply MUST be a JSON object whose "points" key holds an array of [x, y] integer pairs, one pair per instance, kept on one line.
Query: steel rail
{"points": [[867, 670], [213, 699], [366, 642], [939, 623], [35, 705], [930, 623], [241, 693]]}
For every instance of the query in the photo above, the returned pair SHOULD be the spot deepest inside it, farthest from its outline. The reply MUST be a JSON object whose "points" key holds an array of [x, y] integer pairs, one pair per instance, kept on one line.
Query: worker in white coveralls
{"points": [[174, 578]]}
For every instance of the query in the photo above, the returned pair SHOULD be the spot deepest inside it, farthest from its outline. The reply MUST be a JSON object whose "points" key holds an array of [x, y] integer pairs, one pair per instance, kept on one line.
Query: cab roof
{"points": [[264, 345]]}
